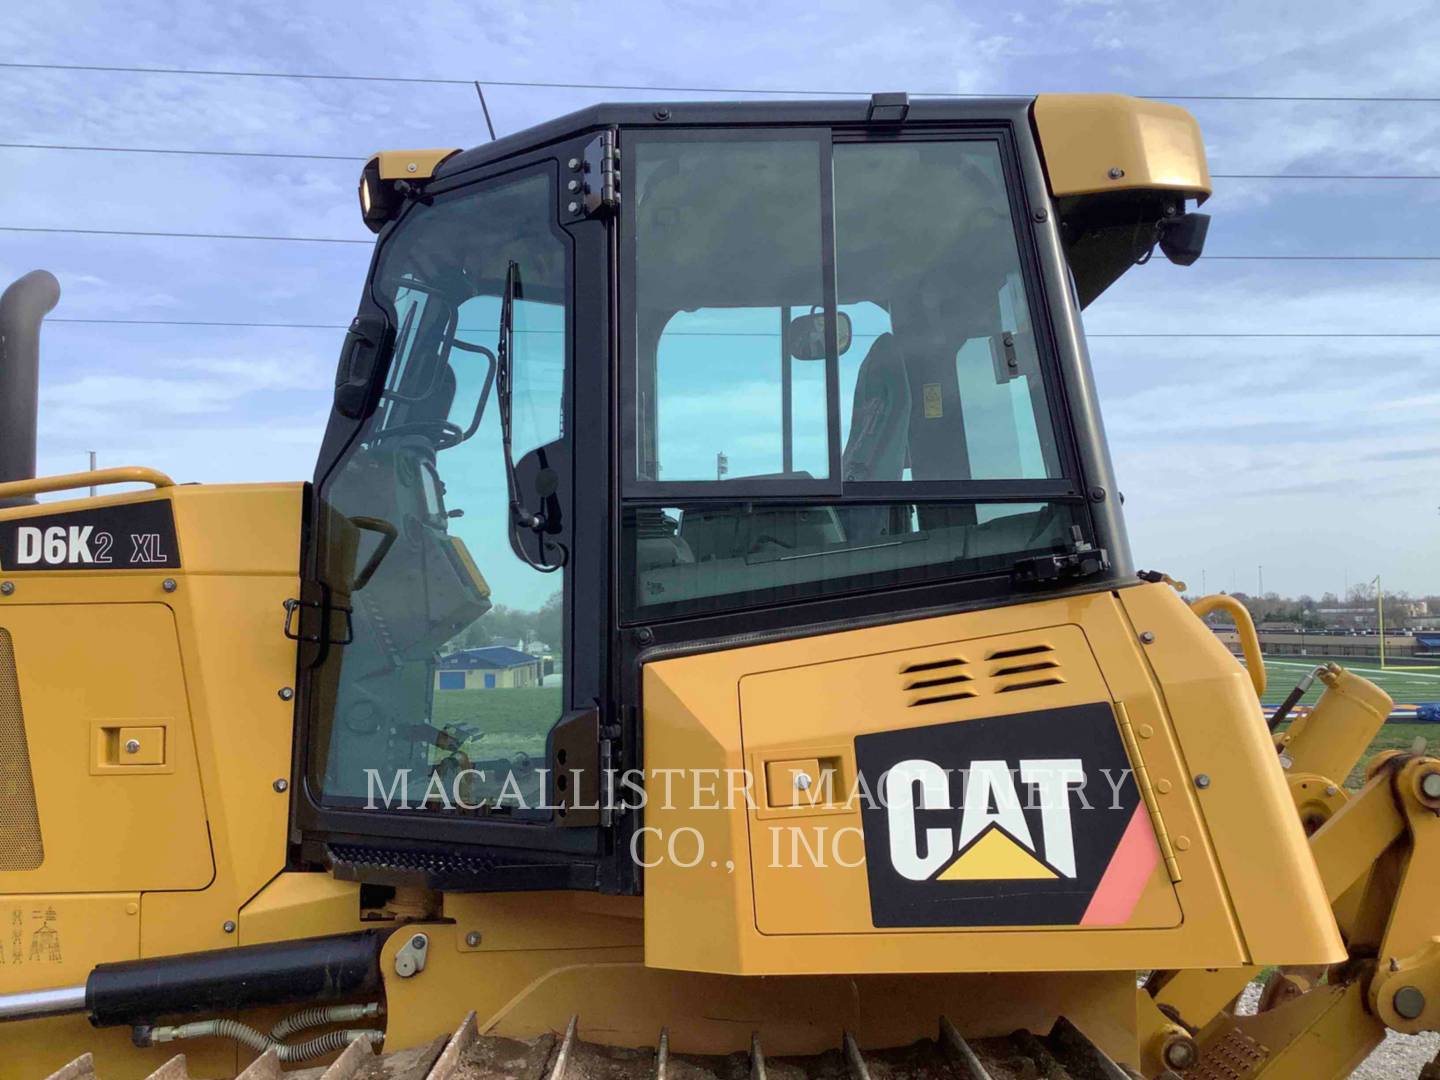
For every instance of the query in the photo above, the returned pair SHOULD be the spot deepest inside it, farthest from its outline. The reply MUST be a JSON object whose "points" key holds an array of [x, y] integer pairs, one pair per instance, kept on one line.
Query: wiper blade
{"points": [[504, 387]]}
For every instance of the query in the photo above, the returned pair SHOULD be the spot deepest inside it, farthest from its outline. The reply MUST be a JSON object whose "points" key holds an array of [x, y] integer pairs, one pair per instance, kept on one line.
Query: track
{"points": [[1064, 1054]]}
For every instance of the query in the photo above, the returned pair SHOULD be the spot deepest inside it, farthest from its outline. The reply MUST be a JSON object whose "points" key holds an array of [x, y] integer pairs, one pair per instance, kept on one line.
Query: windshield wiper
{"points": [[519, 515]]}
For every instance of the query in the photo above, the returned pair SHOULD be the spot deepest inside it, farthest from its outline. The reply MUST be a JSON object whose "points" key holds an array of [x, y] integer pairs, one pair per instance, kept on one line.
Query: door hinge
{"points": [[610, 807], [594, 185]]}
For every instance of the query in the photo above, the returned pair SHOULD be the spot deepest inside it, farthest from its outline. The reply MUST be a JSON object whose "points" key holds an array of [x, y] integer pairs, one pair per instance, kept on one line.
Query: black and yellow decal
{"points": [[1032, 819], [130, 536]]}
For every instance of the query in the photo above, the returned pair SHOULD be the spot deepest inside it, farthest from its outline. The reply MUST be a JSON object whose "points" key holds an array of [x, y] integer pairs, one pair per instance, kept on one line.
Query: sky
{"points": [[1312, 457]]}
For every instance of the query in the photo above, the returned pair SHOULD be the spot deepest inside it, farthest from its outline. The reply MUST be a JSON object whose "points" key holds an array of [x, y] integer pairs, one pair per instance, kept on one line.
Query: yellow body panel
{"points": [[187, 842], [107, 826], [1223, 736], [825, 690], [411, 164], [1109, 142]]}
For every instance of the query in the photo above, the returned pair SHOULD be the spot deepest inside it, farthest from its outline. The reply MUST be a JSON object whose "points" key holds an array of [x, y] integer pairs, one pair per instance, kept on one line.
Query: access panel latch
{"points": [[1080, 560]]}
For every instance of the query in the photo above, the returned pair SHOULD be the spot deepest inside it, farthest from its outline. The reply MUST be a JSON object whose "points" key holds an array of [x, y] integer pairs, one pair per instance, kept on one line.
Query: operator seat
{"points": [[879, 440]]}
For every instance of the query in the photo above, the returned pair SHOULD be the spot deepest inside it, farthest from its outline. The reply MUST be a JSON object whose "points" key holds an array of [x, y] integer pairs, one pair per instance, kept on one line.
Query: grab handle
{"points": [[1244, 626], [129, 474]]}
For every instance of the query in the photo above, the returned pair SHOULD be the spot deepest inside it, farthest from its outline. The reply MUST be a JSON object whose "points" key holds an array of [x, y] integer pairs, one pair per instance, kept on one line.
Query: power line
{"points": [[155, 233], [195, 153], [535, 84], [199, 322], [292, 155], [1323, 258], [345, 326], [183, 235], [1325, 176], [1257, 334]]}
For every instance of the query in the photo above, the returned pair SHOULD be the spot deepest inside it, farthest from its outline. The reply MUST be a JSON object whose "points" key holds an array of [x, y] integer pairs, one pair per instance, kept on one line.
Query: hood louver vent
{"points": [[1004, 671], [937, 681], [1024, 668]]}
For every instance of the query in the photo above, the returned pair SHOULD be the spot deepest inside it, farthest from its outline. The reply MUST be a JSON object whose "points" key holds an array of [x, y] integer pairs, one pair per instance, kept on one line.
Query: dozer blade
{"points": [[1064, 1054]]}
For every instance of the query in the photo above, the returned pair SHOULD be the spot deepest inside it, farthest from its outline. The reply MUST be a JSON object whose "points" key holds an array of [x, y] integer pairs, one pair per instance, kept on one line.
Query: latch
{"points": [[319, 630], [410, 960], [1080, 559]]}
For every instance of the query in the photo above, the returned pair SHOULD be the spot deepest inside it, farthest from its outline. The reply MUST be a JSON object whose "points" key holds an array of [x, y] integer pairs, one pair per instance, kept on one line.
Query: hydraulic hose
{"points": [[320, 1015], [1293, 698], [247, 1036]]}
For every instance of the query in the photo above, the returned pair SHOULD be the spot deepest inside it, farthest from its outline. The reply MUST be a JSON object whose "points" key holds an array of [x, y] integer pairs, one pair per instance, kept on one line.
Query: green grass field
{"points": [[510, 721], [1407, 685]]}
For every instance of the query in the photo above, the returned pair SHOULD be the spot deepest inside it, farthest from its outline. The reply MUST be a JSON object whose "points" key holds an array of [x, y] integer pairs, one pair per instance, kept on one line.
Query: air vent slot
{"points": [[946, 681], [1020, 669], [933, 665], [938, 698], [1024, 650], [1028, 685]]}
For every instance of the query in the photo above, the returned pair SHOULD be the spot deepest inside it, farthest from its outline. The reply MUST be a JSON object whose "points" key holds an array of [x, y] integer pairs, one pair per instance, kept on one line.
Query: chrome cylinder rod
{"points": [[32, 1004]]}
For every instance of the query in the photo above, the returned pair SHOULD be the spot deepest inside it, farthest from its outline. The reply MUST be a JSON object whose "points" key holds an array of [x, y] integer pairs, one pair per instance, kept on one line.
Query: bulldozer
{"points": [[708, 647]]}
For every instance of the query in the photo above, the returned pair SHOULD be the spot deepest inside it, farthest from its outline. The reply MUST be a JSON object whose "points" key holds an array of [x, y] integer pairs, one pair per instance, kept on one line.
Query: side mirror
{"points": [[359, 355], [805, 337], [1182, 238]]}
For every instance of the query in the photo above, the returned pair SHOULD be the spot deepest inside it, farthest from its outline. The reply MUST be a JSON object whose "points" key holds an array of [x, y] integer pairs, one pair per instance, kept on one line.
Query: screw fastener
{"points": [[1147, 637], [1116, 173], [281, 785], [286, 693], [472, 939], [1202, 780], [229, 926], [803, 781], [7, 588], [132, 746], [169, 584]]}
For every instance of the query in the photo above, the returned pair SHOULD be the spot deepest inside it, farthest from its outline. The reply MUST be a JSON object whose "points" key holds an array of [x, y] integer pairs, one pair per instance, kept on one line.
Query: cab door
{"points": [[440, 698]]}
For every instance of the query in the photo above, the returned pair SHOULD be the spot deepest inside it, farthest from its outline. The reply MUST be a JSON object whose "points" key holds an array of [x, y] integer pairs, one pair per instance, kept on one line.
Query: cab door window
{"points": [[444, 697]]}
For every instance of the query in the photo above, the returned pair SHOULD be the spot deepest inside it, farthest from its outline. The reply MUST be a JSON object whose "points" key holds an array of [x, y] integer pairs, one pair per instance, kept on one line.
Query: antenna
{"points": [[485, 109]]}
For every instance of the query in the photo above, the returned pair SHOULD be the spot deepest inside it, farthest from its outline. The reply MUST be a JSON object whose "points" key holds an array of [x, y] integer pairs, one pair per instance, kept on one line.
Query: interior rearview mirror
{"points": [[805, 338]]}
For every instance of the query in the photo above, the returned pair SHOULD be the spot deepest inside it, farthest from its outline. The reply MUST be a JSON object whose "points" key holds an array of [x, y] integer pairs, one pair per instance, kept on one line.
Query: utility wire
{"points": [[196, 153], [153, 233], [287, 155], [434, 81], [184, 235]]}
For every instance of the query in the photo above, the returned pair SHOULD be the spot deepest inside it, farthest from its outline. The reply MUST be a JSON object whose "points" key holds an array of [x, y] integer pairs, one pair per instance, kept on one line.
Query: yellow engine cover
{"points": [[997, 791]]}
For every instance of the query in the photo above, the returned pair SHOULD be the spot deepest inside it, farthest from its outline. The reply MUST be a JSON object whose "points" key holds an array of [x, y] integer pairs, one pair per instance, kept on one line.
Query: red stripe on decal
{"points": [[1130, 868]]}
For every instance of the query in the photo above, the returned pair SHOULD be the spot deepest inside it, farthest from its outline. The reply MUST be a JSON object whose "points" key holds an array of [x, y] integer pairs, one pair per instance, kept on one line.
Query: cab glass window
{"points": [[443, 699], [852, 350]]}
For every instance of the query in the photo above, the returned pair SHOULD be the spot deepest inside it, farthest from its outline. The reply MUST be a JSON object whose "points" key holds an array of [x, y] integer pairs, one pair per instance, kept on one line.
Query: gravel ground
{"points": [[1399, 1057]]}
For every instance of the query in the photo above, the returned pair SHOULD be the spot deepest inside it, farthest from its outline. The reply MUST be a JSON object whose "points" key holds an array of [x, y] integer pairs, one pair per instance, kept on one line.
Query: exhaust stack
{"points": [[23, 306]]}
